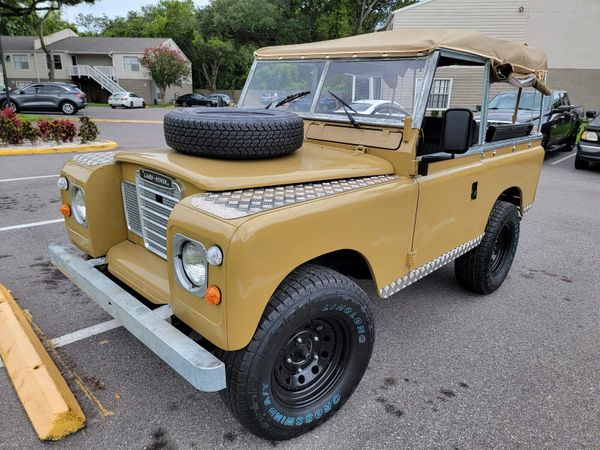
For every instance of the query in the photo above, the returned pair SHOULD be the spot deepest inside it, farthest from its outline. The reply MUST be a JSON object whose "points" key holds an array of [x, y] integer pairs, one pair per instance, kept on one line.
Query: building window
{"points": [[131, 63], [439, 97], [21, 62], [57, 62]]}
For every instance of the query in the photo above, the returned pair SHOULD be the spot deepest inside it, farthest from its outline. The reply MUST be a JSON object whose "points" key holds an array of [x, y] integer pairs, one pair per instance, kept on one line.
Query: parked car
{"points": [[376, 107], [126, 99], [64, 97], [588, 148], [251, 236], [268, 97], [195, 100], [560, 119], [225, 99]]}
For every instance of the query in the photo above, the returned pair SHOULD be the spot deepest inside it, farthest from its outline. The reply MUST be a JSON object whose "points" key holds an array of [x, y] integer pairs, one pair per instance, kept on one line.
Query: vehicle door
{"points": [[557, 122], [137, 101], [450, 213], [26, 98], [49, 96], [572, 122]]}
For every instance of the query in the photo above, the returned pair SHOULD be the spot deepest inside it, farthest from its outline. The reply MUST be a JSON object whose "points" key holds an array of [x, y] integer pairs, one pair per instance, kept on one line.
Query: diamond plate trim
{"points": [[95, 159], [245, 202], [526, 209], [426, 269]]}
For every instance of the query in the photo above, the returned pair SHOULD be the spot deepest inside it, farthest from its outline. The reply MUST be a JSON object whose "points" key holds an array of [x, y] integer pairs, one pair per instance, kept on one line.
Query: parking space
{"points": [[518, 368]]}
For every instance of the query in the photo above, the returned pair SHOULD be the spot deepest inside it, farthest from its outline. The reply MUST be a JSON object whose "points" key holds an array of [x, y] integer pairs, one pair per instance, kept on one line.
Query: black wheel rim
{"points": [[501, 247], [311, 362]]}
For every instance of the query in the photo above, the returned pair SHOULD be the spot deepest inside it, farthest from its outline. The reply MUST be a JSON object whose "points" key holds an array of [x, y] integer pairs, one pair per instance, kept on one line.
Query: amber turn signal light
{"points": [[213, 295], [65, 210]]}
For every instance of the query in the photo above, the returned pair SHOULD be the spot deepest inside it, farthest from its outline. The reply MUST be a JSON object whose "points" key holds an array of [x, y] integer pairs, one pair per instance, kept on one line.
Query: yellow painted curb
{"points": [[46, 397], [81, 148]]}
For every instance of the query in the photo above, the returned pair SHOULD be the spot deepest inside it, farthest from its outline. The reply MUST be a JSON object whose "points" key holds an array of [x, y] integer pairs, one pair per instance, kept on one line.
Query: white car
{"points": [[376, 107], [126, 99]]}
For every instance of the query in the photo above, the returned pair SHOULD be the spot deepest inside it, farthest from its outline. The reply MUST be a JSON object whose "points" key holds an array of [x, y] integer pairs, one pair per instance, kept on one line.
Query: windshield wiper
{"points": [[346, 107], [288, 99]]}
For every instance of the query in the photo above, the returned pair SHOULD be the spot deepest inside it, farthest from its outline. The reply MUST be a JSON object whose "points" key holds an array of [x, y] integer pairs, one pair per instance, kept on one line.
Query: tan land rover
{"points": [[364, 157]]}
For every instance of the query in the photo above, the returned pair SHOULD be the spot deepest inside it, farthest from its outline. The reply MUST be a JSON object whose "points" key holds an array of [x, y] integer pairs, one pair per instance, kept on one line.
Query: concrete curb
{"points": [[44, 394], [81, 148]]}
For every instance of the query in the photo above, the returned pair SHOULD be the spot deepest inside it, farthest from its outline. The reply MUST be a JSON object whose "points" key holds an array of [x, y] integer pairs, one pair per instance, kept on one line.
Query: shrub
{"points": [[10, 127], [45, 129], [30, 133], [62, 131], [88, 131]]}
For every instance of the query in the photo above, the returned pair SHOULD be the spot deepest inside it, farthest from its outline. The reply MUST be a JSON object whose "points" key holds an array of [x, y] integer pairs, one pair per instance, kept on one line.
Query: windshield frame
{"points": [[378, 121]]}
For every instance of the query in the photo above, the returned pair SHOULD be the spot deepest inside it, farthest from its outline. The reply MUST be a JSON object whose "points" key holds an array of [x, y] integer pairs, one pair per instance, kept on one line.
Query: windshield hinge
{"points": [[410, 258], [360, 149]]}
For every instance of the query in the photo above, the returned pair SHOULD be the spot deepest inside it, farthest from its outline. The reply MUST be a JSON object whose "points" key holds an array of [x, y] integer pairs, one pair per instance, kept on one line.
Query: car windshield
{"points": [[379, 90], [508, 100]]}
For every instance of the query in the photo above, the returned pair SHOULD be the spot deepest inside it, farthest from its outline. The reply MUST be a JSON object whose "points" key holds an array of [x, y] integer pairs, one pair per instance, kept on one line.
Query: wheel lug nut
{"points": [[289, 360], [316, 338], [316, 357], [299, 340], [299, 370]]}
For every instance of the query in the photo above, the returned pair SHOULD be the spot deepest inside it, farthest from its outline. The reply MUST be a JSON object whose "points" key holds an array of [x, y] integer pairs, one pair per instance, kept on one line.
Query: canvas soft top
{"points": [[506, 57]]}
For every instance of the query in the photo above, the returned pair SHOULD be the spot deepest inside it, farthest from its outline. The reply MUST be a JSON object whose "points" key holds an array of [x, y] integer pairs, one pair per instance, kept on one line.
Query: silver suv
{"points": [[64, 97]]}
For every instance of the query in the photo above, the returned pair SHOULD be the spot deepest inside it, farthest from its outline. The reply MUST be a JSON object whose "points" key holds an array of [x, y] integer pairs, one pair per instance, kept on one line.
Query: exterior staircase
{"points": [[100, 77]]}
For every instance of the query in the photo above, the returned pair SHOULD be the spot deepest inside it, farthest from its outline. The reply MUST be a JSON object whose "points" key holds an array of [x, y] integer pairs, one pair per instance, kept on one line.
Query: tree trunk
{"points": [[4, 74], [47, 51], [163, 92]]}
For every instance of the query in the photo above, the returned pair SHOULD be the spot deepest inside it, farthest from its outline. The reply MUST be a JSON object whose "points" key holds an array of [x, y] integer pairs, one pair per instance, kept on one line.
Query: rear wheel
{"points": [[130, 105], [11, 105], [68, 108], [310, 351], [184, 104], [143, 104], [580, 164], [113, 106], [485, 268]]}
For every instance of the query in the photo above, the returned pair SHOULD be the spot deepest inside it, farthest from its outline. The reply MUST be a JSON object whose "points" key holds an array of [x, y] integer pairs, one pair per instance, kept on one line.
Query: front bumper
{"points": [[588, 152], [194, 363]]}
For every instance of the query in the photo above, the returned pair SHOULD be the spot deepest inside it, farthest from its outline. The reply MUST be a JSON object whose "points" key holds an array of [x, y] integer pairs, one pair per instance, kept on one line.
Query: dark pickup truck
{"points": [[560, 119]]}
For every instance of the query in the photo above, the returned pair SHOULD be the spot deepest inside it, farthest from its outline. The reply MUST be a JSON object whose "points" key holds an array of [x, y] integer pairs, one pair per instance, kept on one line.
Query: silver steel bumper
{"points": [[199, 367]]}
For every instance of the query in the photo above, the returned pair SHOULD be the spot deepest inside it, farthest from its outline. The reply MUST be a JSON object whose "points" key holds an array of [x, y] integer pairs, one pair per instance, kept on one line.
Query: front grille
{"points": [[147, 209]]}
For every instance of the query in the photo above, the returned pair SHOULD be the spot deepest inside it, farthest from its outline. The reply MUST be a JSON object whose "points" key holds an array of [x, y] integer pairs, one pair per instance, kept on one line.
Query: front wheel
{"points": [[143, 104], [580, 164], [485, 268], [309, 353]]}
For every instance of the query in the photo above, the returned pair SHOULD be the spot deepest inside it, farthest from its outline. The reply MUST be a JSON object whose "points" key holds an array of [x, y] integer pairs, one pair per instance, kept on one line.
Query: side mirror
{"points": [[590, 114], [478, 107], [562, 109], [457, 130]]}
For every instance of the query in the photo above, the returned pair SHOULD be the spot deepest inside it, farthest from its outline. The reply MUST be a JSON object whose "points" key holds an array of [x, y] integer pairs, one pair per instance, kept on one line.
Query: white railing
{"points": [[109, 71], [88, 71]]}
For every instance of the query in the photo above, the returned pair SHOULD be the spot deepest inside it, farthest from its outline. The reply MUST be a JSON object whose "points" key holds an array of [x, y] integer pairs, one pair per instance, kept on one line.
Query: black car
{"points": [[588, 148], [64, 97], [560, 119], [195, 100]]}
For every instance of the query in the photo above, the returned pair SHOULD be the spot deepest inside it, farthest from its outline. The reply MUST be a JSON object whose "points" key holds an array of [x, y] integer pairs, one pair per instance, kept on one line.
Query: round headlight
{"points": [[78, 205], [193, 259]]}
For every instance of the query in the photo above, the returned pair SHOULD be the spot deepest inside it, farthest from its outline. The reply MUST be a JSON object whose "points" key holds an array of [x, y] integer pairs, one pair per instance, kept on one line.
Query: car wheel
{"points": [[580, 164], [130, 105], [11, 105], [485, 268], [310, 351], [68, 108], [143, 104], [570, 143], [113, 106], [184, 104]]}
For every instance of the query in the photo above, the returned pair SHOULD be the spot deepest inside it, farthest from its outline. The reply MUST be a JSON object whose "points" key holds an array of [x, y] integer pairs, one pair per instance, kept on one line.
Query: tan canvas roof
{"points": [[503, 54]]}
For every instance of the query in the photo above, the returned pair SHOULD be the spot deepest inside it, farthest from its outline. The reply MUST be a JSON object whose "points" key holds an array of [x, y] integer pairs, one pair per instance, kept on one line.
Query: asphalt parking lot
{"points": [[518, 368]]}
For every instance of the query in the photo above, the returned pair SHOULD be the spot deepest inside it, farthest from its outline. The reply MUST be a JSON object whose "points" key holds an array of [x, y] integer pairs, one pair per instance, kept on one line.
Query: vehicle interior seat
{"points": [[503, 131]]}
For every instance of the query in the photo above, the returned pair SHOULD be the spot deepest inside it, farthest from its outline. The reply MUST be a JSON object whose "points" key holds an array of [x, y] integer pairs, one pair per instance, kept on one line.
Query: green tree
{"points": [[166, 66]]}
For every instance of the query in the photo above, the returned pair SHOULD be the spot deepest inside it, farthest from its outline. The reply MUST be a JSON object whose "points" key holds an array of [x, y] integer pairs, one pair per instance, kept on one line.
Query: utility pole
{"points": [[4, 75]]}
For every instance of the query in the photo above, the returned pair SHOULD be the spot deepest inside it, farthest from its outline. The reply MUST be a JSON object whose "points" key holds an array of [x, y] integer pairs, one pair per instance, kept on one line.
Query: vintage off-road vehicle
{"points": [[250, 232]]}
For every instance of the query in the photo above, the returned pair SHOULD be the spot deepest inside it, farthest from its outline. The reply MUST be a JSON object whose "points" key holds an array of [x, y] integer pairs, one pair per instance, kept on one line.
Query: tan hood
{"points": [[312, 162]]}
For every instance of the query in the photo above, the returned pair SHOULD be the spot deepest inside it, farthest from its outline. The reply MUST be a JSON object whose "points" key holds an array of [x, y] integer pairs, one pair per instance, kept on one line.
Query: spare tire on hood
{"points": [[232, 133]]}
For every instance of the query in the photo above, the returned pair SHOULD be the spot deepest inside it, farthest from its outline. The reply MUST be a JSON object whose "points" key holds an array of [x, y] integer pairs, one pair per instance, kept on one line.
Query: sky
{"points": [[111, 8]]}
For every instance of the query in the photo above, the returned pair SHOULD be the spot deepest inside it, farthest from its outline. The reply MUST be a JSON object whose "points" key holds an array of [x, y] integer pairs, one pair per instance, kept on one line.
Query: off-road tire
{"points": [[580, 164], [231, 133], [68, 108], [258, 393], [480, 270]]}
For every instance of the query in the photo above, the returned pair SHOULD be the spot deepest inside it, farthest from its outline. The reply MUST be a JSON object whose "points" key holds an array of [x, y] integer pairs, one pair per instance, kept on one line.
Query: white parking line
{"points": [[30, 225], [7, 180], [85, 333], [563, 159]]}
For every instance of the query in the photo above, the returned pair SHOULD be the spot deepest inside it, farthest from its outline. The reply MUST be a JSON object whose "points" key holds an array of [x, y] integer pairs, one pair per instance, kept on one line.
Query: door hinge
{"points": [[410, 258]]}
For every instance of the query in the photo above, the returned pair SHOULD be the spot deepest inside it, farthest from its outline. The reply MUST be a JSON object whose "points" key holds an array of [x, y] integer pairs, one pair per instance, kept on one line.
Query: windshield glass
{"points": [[507, 100], [379, 90]]}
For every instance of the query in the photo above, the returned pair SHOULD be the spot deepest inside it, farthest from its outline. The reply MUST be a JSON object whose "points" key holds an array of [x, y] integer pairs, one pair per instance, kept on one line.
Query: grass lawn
{"points": [[32, 117]]}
